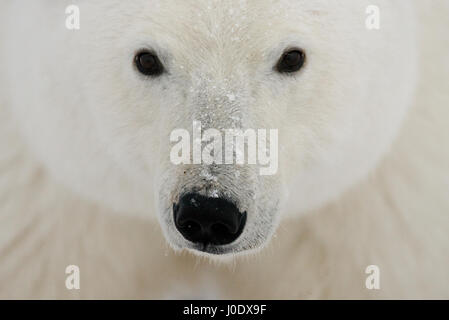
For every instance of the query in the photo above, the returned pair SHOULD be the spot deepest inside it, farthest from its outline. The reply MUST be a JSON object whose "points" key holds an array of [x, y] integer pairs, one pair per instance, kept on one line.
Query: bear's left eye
{"points": [[291, 61], [148, 64]]}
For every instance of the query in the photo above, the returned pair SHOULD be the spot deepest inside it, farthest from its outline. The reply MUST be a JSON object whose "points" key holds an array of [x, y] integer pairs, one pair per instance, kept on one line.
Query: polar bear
{"points": [[86, 177]]}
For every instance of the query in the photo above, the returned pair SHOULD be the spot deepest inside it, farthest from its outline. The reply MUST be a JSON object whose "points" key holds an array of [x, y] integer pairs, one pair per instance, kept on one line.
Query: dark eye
{"points": [[291, 61], [148, 64]]}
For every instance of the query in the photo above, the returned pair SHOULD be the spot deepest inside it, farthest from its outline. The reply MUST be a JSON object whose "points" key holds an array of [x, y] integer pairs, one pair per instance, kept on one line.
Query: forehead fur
{"points": [[212, 26]]}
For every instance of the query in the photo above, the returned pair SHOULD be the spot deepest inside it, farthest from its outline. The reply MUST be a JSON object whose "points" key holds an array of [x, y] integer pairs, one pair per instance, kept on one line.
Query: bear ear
{"points": [[292, 60], [148, 64]]}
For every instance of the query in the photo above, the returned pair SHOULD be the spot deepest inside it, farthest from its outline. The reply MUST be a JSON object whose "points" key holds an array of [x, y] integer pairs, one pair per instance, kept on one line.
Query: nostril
{"points": [[219, 229], [191, 226], [208, 220]]}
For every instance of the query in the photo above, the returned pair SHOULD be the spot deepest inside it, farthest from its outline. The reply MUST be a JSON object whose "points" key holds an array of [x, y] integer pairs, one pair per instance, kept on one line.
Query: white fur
{"points": [[85, 136]]}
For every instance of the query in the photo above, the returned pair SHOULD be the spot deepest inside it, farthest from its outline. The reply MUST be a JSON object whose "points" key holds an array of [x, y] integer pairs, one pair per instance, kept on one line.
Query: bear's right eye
{"points": [[291, 61], [148, 64]]}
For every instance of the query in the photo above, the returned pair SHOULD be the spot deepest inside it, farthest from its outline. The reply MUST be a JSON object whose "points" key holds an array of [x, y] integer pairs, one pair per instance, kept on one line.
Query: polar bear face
{"points": [[116, 90]]}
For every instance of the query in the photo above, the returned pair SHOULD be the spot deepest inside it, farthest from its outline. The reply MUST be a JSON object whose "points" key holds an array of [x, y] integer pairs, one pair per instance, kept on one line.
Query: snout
{"points": [[208, 221]]}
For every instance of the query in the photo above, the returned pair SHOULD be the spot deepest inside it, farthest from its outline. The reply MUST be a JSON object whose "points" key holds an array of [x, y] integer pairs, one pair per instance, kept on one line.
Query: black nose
{"points": [[208, 220]]}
